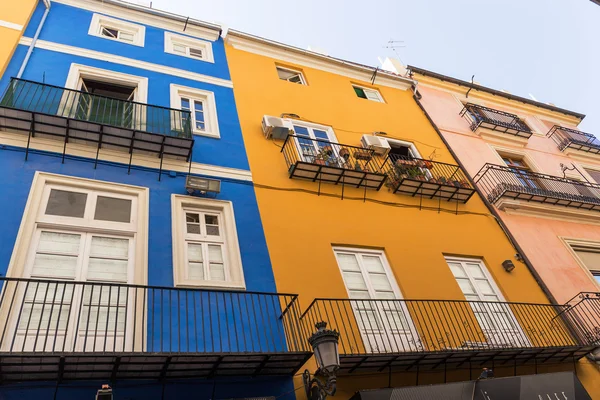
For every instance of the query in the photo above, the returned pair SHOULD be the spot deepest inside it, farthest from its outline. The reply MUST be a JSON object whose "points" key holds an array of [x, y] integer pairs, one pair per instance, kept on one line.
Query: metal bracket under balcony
{"points": [[417, 177], [74, 116], [67, 330], [484, 117], [408, 335], [571, 138], [498, 182], [323, 161]]}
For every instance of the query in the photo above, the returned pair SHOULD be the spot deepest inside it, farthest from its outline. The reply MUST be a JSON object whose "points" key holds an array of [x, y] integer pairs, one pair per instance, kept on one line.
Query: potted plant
{"points": [[344, 153], [428, 164], [323, 155], [327, 150], [465, 184]]}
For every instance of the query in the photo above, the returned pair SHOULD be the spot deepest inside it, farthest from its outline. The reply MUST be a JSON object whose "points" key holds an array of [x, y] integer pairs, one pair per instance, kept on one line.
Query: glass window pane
{"points": [[300, 130], [196, 270], [57, 242], [373, 264], [348, 262], [192, 217], [354, 281], [465, 286], [66, 204], [193, 228], [104, 269], [54, 266], [380, 282], [185, 104], [475, 270], [319, 134], [457, 270], [112, 209], [179, 48], [109, 32], [484, 286], [193, 223], [195, 252], [372, 95], [198, 105], [212, 225], [109, 247], [597, 277], [195, 52], [360, 92]]}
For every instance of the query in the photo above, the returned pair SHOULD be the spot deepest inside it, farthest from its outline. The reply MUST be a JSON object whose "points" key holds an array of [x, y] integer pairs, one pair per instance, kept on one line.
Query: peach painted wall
{"points": [[539, 237]]}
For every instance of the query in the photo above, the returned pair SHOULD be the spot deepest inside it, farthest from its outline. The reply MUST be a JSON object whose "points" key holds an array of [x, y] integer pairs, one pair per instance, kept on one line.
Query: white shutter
{"points": [[108, 259], [56, 255]]}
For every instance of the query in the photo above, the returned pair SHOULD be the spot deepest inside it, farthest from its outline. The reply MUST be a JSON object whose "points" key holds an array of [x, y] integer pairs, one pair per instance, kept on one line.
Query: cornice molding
{"points": [[305, 58], [11, 25], [546, 211], [148, 16], [97, 55], [495, 137]]}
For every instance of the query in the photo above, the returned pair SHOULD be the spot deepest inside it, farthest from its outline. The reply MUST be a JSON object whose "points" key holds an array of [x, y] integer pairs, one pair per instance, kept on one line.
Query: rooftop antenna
{"points": [[394, 45]]}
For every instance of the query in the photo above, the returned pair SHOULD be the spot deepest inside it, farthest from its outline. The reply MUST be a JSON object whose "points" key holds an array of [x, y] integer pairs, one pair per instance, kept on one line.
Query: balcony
{"points": [[378, 335], [65, 330], [417, 177], [74, 116], [501, 182], [566, 138], [495, 120], [324, 161]]}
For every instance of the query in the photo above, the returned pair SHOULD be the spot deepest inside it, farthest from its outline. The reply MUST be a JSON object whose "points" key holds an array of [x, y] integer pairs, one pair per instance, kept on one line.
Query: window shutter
{"points": [[594, 174], [590, 257]]}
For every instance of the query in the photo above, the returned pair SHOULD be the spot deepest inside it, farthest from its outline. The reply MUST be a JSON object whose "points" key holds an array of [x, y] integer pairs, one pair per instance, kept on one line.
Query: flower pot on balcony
{"points": [[344, 153], [320, 162], [465, 184], [327, 150], [404, 162], [428, 164]]}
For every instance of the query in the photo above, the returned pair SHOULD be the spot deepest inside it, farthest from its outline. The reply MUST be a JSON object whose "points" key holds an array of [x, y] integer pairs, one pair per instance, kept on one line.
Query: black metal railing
{"points": [[567, 137], [495, 119], [322, 160], [370, 327], [44, 316], [498, 181], [83, 106], [432, 178], [583, 312]]}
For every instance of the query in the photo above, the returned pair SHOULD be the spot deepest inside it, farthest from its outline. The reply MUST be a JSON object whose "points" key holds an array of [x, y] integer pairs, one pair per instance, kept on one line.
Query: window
{"points": [[385, 325], [594, 174], [80, 231], [368, 93], [590, 258], [116, 29], [311, 138], [201, 104], [291, 75], [205, 245], [188, 47], [495, 320], [521, 170]]}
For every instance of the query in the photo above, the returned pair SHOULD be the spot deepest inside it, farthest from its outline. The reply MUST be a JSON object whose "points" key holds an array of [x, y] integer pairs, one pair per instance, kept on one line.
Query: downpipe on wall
{"points": [[35, 38]]}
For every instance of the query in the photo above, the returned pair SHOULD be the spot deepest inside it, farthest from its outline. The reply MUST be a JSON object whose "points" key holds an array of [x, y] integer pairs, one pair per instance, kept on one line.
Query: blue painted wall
{"points": [[69, 26], [53, 67]]}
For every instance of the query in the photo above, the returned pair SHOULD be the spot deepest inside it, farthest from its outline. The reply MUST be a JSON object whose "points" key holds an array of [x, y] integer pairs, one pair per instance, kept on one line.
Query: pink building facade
{"points": [[540, 174]]}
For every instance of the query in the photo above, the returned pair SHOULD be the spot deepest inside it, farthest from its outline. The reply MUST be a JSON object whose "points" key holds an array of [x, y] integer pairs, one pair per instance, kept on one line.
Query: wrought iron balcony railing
{"points": [[498, 182], [430, 179], [76, 116], [574, 139], [403, 334], [324, 161], [132, 331], [480, 116]]}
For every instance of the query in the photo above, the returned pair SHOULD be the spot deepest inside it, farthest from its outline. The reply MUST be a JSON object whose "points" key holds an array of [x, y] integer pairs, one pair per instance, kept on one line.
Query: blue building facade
{"points": [[114, 268]]}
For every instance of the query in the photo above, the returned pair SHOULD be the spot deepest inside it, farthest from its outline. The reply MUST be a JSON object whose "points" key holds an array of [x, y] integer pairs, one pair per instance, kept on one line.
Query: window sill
{"points": [[213, 135], [211, 285]]}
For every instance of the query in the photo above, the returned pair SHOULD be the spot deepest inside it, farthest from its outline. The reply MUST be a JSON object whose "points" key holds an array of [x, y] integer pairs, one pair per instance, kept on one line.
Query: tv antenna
{"points": [[394, 45]]}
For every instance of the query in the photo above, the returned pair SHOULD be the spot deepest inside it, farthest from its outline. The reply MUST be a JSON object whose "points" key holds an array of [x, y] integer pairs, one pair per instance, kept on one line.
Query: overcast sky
{"points": [[548, 48]]}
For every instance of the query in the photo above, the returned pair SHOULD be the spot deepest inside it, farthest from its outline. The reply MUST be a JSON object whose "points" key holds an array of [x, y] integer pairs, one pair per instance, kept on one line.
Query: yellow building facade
{"points": [[13, 20], [336, 231]]}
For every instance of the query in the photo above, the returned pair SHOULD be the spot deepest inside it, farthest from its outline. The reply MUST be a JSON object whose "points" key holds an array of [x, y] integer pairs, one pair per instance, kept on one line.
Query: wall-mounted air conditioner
{"points": [[378, 145], [276, 128]]}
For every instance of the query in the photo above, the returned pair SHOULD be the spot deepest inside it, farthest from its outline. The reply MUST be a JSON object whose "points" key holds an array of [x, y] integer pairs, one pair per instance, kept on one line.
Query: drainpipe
{"points": [[35, 38], [510, 237]]}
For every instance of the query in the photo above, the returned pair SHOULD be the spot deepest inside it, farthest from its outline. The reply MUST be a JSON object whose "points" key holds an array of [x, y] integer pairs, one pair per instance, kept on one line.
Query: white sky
{"points": [[548, 48]]}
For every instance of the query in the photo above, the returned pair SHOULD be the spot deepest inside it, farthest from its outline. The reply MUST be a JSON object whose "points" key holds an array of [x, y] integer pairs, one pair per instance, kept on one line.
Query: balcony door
{"points": [[521, 170], [82, 250], [313, 144], [381, 316], [106, 103], [495, 318]]}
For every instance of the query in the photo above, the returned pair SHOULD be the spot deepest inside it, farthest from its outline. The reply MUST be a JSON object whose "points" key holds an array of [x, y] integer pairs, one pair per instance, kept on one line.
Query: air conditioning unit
{"points": [[377, 144], [276, 128]]}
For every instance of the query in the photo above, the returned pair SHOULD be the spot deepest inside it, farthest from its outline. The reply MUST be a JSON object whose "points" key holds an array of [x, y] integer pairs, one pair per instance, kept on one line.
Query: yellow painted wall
{"points": [[14, 12], [301, 227]]}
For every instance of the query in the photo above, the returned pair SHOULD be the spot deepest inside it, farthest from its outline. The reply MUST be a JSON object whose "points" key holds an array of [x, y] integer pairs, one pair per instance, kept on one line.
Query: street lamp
{"points": [[325, 346]]}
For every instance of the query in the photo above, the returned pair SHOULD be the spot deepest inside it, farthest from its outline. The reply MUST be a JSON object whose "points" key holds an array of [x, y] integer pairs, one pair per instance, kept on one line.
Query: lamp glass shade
{"points": [[327, 355]]}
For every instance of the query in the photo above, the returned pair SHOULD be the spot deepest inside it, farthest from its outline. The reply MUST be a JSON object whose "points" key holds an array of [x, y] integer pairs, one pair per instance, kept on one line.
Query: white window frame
{"points": [[211, 122], [582, 243], [99, 21], [33, 219], [172, 39], [292, 70], [232, 258], [379, 97]]}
